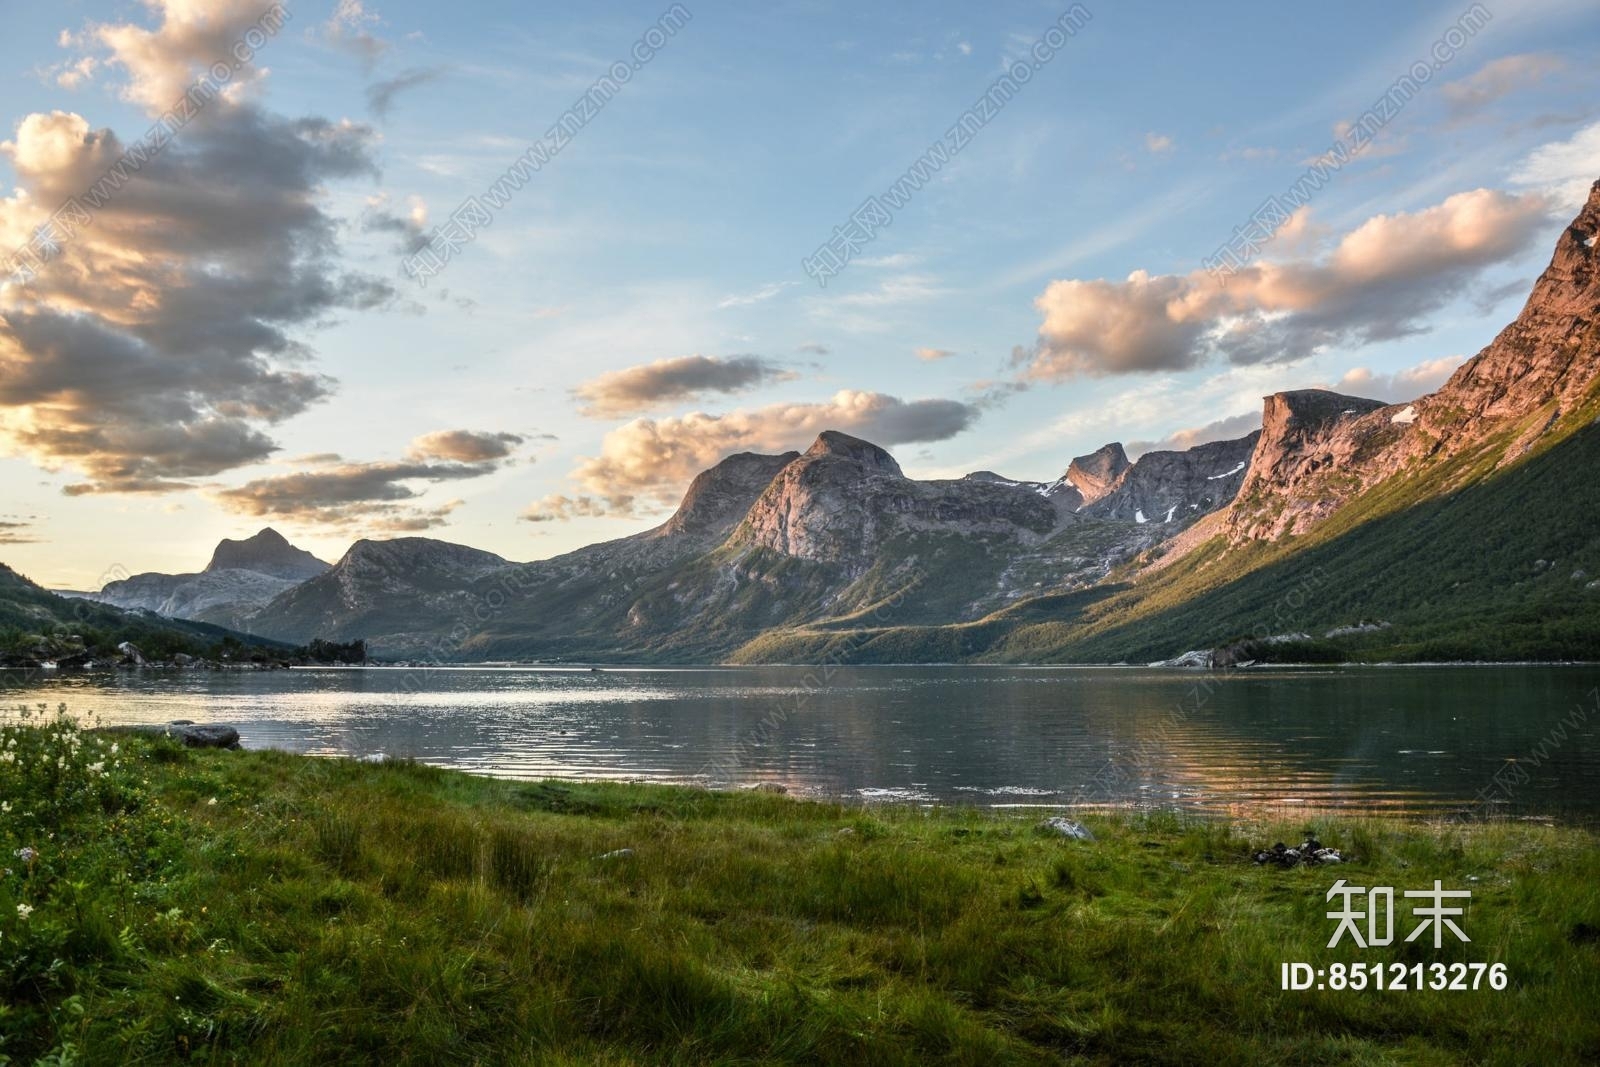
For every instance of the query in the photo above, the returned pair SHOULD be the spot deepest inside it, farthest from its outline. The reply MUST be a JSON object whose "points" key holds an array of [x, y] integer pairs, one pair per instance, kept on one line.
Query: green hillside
{"points": [[38, 624]]}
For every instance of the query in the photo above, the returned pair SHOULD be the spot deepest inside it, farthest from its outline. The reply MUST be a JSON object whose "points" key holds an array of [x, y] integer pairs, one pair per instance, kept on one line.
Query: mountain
{"points": [[770, 543], [378, 587], [241, 577], [269, 553], [37, 625]]}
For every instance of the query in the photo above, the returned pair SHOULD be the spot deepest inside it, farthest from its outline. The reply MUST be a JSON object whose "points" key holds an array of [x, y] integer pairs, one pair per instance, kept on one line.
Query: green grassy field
{"points": [[261, 908]]}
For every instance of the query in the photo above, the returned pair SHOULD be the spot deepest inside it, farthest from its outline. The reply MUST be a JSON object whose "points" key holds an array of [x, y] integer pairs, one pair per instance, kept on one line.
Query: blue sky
{"points": [[675, 223]]}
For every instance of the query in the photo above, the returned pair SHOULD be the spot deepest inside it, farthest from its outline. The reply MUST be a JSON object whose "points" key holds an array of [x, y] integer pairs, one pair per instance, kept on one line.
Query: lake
{"points": [[1520, 741]]}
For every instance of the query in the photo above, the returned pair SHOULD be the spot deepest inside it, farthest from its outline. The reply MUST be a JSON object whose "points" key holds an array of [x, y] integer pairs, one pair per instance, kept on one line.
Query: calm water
{"points": [[1401, 740]]}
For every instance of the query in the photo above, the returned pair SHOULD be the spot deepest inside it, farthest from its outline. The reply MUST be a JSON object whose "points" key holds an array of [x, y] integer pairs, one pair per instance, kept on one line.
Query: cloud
{"points": [[411, 228], [1402, 385], [464, 446], [652, 385], [1564, 169], [350, 28], [1158, 143], [1497, 79], [766, 292], [16, 532], [163, 63], [381, 95], [894, 260], [645, 464], [345, 493], [1230, 428], [557, 507], [900, 289], [1378, 282], [163, 337], [930, 355], [813, 348], [76, 73]]}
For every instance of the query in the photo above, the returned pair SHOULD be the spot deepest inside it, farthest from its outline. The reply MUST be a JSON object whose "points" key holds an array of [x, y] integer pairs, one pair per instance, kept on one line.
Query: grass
{"points": [[325, 911]]}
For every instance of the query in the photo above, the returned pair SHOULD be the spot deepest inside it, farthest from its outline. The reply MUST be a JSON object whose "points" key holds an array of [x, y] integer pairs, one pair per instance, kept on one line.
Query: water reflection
{"points": [[1418, 740]]}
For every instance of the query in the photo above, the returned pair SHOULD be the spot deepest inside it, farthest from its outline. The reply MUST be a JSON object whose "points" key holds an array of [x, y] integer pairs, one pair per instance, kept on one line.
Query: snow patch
{"points": [[1169, 513], [1589, 242], [1225, 474], [1138, 516], [1406, 417]]}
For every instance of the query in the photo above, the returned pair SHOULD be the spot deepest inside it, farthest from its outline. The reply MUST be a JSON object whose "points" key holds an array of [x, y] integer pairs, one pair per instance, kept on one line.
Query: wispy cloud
{"points": [[381, 94], [766, 292]]}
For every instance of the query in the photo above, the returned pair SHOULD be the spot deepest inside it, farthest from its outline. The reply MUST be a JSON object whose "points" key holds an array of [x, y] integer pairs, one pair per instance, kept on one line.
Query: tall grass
{"points": [[324, 911]]}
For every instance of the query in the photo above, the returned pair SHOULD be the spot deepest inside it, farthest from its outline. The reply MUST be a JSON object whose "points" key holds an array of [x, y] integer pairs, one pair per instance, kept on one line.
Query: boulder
{"points": [[1068, 828], [194, 734]]}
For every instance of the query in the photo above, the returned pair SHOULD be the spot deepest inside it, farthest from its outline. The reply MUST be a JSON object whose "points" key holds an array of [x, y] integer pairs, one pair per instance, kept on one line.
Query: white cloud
{"points": [[1376, 283], [1564, 169], [1158, 143], [766, 292], [1407, 384]]}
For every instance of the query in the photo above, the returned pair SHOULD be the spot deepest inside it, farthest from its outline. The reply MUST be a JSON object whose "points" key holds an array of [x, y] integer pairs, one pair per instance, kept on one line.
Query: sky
{"points": [[271, 320]]}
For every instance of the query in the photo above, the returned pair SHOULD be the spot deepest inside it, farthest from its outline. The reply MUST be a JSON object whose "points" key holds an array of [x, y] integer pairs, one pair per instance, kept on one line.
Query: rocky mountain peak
{"points": [[1167, 487], [268, 552], [719, 497], [1552, 350], [865, 453], [1096, 474], [1299, 413]]}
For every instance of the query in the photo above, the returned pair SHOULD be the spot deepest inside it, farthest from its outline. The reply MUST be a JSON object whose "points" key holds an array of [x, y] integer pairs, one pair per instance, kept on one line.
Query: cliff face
{"points": [[718, 498], [1550, 352], [1097, 474], [266, 553], [845, 496], [1306, 462], [1176, 487]]}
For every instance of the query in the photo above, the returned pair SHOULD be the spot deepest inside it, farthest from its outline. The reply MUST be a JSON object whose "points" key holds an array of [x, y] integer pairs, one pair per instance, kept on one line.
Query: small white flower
{"points": [[211, 803], [23, 911], [27, 854]]}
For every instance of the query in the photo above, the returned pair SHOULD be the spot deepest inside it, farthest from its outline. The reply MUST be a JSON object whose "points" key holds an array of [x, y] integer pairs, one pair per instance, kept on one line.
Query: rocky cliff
{"points": [[1094, 476], [269, 553]]}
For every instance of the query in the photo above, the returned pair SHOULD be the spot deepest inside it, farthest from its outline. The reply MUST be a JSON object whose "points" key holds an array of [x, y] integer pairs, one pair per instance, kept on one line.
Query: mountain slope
{"points": [[37, 625], [241, 577], [383, 588]]}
